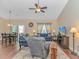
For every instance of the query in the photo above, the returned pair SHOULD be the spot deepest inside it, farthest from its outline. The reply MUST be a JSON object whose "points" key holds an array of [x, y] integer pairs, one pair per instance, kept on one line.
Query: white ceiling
{"points": [[20, 9]]}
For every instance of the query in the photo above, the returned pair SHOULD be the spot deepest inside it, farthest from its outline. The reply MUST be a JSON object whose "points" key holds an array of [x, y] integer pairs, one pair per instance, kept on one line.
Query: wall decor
{"points": [[62, 29], [30, 24]]}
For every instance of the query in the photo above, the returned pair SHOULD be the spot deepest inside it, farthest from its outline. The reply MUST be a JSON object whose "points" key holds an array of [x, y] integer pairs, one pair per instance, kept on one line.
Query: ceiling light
{"points": [[10, 24]]}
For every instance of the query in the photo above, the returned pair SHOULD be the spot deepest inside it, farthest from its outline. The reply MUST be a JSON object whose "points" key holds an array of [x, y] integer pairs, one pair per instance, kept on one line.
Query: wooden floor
{"points": [[70, 55], [68, 52], [7, 52]]}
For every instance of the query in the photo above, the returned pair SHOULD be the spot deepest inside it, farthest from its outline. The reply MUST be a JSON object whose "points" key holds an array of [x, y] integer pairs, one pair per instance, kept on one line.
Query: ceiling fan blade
{"points": [[43, 7], [36, 5], [32, 8], [42, 11]]}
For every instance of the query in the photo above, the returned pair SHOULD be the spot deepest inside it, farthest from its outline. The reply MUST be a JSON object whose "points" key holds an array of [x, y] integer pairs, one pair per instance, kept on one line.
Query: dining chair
{"points": [[4, 38]]}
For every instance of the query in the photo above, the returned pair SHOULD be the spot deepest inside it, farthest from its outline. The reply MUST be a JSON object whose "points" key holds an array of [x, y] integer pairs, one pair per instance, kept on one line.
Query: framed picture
{"points": [[62, 30]]}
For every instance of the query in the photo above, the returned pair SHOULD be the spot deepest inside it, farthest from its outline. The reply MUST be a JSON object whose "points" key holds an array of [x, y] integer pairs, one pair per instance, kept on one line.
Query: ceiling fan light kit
{"points": [[38, 10]]}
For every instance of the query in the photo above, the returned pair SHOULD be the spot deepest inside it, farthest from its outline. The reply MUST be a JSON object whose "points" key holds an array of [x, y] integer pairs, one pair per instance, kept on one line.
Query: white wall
{"points": [[70, 18]]}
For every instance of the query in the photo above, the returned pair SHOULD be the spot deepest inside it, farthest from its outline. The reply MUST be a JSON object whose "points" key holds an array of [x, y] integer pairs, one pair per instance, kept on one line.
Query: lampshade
{"points": [[53, 30], [33, 31], [77, 35], [73, 30]]}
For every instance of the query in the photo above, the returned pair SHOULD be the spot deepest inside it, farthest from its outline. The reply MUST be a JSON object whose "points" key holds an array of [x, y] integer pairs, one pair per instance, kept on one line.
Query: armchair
{"points": [[22, 42], [38, 48]]}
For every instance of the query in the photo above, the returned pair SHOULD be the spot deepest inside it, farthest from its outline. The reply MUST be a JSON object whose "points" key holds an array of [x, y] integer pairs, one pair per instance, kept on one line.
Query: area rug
{"points": [[25, 54]]}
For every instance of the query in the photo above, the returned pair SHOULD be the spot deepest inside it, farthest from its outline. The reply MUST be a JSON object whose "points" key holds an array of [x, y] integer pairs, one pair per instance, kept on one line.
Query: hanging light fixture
{"points": [[9, 24]]}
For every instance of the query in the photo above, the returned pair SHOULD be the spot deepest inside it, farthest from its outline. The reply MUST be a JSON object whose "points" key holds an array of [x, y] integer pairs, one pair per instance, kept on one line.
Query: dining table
{"points": [[8, 38]]}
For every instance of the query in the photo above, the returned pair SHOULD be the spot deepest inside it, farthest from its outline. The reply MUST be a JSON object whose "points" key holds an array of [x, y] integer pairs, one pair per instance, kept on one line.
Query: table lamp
{"points": [[34, 32]]}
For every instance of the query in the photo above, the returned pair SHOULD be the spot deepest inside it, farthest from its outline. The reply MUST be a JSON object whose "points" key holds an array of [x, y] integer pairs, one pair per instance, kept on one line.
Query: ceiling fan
{"points": [[38, 8]]}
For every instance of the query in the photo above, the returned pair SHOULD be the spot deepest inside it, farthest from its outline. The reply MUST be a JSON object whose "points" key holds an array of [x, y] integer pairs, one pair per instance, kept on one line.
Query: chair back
{"points": [[36, 45]]}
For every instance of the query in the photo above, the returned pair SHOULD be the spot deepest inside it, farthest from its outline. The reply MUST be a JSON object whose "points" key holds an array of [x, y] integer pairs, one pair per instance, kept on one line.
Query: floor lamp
{"points": [[73, 30]]}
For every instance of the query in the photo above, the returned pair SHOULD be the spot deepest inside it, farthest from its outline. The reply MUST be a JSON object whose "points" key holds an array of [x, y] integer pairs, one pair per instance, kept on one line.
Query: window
{"points": [[14, 28], [44, 28], [21, 28]]}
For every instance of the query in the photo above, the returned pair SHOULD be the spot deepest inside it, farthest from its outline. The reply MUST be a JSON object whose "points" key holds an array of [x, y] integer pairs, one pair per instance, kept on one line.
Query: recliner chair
{"points": [[38, 47]]}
